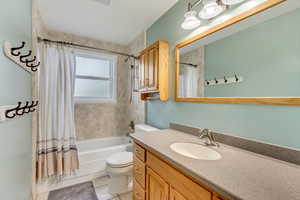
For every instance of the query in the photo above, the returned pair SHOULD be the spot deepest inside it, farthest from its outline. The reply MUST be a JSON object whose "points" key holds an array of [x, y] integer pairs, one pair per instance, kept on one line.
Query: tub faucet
{"points": [[208, 136], [132, 127]]}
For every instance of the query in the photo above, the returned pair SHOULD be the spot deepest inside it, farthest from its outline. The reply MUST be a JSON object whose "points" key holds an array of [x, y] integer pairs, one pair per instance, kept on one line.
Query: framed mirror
{"points": [[242, 60]]}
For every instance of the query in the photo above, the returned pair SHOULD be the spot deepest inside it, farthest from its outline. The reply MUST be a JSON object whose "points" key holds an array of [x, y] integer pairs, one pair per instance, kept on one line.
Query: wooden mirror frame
{"points": [[292, 101]]}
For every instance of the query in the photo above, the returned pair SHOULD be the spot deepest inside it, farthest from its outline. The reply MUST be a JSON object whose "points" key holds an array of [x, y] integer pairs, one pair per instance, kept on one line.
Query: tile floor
{"points": [[101, 189]]}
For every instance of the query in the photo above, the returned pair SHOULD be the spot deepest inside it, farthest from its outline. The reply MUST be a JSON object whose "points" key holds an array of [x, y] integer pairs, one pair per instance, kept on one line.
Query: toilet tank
{"points": [[145, 127], [141, 127]]}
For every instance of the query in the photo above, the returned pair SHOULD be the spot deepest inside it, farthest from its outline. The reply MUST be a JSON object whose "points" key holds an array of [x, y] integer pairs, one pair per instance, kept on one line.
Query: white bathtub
{"points": [[92, 161], [93, 153]]}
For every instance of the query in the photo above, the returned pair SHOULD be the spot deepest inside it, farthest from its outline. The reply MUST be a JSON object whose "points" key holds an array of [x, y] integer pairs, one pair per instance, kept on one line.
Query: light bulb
{"points": [[211, 9], [232, 2], [190, 21]]}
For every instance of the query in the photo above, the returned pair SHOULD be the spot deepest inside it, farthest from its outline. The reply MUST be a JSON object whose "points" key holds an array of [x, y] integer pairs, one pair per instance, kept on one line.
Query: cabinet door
{"points": [[138, 192], [157, 188], [153, 69], [174, 195], [146, 70], [139, 171], [142, 72]]}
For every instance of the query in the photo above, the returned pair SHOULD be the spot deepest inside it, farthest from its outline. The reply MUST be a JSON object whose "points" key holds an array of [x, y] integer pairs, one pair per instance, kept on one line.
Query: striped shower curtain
{"points": [[57, 154]]}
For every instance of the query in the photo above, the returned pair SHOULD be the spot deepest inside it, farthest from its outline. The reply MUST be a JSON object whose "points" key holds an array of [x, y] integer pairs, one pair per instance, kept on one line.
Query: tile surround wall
{"points": [[107, 119]]}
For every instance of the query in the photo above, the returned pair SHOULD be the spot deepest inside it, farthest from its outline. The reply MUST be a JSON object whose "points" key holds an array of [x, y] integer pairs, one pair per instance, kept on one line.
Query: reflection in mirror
{"points": [[258, 61], [192, 73]]}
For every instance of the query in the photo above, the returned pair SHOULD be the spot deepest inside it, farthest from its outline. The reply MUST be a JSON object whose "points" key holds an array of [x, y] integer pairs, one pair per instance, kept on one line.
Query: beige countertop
{"points": [[239, 175]]}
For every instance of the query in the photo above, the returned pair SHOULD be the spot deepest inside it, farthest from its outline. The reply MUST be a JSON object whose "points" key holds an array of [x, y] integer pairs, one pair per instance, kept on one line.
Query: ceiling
{"points": [[118, 21]]}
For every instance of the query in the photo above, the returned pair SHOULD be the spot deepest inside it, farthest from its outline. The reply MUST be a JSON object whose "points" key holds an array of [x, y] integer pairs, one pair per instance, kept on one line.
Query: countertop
{"points": [[239, 175]]}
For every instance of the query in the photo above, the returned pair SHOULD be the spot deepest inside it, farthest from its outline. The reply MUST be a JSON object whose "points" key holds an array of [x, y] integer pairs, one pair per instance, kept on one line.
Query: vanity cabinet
{"points": [[157, 188], [162, 181], [174, 195], [153, 71]]}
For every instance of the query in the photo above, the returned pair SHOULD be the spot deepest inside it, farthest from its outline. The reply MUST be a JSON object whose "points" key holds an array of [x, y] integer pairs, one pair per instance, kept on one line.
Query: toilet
{"points": [[119, 167]]}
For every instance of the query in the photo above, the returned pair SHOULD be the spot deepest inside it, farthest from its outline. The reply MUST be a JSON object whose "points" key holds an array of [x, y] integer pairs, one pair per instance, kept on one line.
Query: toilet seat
{"points": [[120, 160]]}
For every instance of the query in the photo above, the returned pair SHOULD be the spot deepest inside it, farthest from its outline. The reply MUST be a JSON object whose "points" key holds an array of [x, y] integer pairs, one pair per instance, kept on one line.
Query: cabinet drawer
{"points": [[138, 192], [139, 152], [181, 183], [139, 171]]}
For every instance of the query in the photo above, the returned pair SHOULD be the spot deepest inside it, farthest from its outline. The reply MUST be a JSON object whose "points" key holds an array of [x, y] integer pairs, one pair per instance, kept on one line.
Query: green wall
{"points": [[266, 55], [273, 124], [15, 85]]}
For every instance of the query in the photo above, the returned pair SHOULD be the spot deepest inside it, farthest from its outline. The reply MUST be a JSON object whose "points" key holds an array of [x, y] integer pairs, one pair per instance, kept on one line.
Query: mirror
{"points": [[248, 63]]}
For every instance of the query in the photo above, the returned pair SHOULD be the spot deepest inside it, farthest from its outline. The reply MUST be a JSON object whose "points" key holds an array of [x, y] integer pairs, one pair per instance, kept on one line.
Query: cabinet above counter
{"points": [[153, 71]]}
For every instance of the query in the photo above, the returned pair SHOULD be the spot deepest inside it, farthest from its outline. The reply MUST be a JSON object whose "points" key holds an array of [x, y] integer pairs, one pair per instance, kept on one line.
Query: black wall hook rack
{"points": [[26, 60], [20, 110], [225, 80]]}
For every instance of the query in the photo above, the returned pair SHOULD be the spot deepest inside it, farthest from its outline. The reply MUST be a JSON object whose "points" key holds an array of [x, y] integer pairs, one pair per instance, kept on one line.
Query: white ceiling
{"points": [[118, 21]]}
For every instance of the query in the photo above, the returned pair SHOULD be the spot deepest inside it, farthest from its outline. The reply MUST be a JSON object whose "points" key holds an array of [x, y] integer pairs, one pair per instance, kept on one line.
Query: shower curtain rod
{"points": [[87, 47], [189, 64]]}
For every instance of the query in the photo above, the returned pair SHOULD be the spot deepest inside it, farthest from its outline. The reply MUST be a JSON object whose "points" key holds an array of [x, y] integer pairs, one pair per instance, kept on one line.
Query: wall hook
{"points": [[216, 81], [225, 79], [20, 110], [24, 61], [236, 78], [33, 67], [25, 56], [16, 49]]}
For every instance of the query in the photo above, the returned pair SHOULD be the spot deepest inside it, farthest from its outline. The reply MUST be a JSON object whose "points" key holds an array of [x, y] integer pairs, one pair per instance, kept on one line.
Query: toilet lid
{"points": [[122, 159]]}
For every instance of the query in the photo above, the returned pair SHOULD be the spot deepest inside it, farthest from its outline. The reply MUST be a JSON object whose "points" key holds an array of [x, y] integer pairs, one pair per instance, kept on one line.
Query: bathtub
{"points": [[93, 153], [92, 161]]}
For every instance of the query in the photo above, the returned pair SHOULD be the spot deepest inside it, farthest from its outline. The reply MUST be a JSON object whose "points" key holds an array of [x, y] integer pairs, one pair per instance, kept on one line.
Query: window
{"points": [[95, 80]]}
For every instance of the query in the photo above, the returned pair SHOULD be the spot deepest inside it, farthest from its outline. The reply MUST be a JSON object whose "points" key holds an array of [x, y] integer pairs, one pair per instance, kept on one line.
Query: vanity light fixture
{"points": [[232, 2], [190, 21], [211, 9]]}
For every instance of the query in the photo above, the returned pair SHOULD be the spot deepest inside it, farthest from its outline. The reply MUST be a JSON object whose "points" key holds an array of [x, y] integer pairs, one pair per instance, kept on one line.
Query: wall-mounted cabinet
{"points": [[153, 71]]}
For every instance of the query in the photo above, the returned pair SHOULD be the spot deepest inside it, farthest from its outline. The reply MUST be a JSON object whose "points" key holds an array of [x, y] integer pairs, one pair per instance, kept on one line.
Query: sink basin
{"points": [[196, 151]]}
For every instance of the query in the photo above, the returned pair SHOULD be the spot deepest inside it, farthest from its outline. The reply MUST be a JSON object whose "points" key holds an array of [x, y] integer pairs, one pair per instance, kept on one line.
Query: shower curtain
{"points": [[190, 81], [57, 154]]}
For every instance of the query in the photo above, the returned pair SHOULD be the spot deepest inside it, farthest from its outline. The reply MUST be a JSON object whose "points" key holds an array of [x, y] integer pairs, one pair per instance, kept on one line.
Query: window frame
{"points": [[113, 77]]}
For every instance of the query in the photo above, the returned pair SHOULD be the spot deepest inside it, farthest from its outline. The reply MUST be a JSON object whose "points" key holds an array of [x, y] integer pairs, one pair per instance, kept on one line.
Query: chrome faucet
{"points": [[207, 135], [131, 127]]}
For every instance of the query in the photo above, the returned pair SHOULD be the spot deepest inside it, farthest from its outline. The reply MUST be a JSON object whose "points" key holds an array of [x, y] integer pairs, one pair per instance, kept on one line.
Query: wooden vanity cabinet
{"points": [[174, 195], [153, 71], [157, 188], [156, 179], [138, 192]]}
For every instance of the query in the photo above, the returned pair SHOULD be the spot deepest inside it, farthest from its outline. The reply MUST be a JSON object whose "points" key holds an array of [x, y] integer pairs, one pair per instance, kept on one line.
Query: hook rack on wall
{"points": [[13, 111], [224, 80], [26, 61]]}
